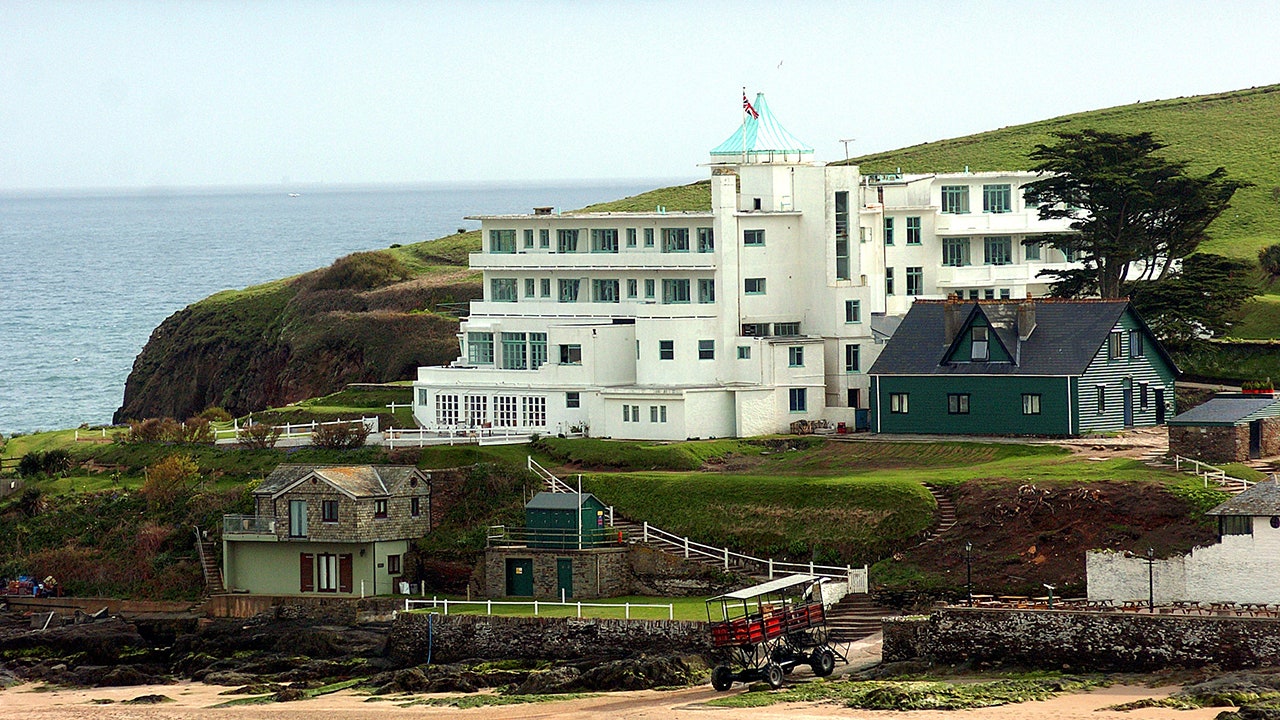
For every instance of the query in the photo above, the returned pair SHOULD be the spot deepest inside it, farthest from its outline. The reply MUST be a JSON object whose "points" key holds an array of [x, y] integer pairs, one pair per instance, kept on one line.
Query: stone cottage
{"points": [[1231, 427]]}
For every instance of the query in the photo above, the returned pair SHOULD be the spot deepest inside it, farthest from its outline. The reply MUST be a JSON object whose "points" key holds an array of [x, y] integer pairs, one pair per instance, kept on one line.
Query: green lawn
{"points": [[684, 608]]}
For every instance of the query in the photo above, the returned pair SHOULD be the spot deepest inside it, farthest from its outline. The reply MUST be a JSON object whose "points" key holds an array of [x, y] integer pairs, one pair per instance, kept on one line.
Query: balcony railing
{"points": [[248, 525], [554, 538]]}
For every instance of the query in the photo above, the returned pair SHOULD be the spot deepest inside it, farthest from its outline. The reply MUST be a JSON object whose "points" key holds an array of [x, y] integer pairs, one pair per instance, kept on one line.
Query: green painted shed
{"points": [[551, 520]]}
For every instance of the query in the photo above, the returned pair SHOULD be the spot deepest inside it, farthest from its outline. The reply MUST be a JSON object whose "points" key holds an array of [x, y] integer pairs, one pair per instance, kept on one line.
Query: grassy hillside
{"points": [[1235, 130]]}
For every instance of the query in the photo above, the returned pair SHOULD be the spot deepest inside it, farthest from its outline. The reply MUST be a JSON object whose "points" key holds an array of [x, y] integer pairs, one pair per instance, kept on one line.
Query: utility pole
{"points": [[846, 147]]}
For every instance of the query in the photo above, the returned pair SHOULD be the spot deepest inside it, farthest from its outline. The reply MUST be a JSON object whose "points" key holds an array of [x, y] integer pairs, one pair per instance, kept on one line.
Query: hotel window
{"points": [[955, 199], [913, 231], [633, 288], [570, 354], [852, 358], [786, 329], [753, 237], [514, 355], [604, 241], [393, 563], [853, 311], [888, 231], [957, 403], [447, 409], [675, 291], [535, 411], [744, 352], [502, 241], [604, 291], [955, 252], [888, 281], [1004, 293], [1031, 251], [675, 240], [529, 285], [755, 330], [799, 399], [706, 290], [706, 349], [631, 237], [528, 238], [653, 413], [415, 507], [973, 294], [479, 348], [706, 240], [505, 411], [997, 250], [915, 280], [1115, 345], [842, 235], [997, 199], [666, 349], [569, 290], [753, 286], [795, 356], [502, 290], [1031, 403], [1136, 350], [626, 413], [572, 400], [566, 241], [537, 350], [1102, 399], [899, 402], [1070, 254], [329, 510], [988, 294], [979, 349], [649, 288], [544, 238], [380, 508], [648, 237], [545, 287]]}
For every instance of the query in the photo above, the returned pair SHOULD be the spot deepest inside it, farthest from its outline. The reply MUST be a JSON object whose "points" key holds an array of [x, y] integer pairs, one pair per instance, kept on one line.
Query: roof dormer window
{"points": [[979, 348]]}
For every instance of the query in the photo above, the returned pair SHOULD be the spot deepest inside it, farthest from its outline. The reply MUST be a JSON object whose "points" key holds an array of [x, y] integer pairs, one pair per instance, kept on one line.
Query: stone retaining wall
{"points": [[461, 637], [1092, 641]]}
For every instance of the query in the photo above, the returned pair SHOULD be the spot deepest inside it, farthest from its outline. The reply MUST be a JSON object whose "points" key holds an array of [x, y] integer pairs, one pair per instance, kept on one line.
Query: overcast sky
{"points": [[140, 94]]}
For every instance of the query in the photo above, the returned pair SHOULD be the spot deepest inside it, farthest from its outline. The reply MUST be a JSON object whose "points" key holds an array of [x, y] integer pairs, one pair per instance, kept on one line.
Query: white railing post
{"points": [[488, 607], [646, 531], [810, 567], [627, 612], [535, 608], [770, 568], [579, 609], [446, 606], [686, 548], [671, 611], [726, 559]]}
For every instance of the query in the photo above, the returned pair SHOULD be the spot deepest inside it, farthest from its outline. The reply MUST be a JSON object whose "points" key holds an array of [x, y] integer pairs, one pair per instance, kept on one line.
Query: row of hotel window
{"points": [[508, 410], [657, 413], [674, 291], [528, 351], [606, 240], [996, 250], [958, 403]]}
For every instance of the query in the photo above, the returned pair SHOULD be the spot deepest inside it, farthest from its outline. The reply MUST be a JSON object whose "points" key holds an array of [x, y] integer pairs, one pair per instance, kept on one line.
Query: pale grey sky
{"points": [[139, 94]]}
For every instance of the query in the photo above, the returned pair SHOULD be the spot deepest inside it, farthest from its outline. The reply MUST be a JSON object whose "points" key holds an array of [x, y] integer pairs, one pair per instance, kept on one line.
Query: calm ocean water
{"points": [[84, 279]]}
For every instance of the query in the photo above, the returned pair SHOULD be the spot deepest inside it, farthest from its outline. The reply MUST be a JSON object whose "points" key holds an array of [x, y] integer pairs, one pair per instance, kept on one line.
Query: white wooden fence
{"points": [[288, 431], [1209, 472], [445, 603]]}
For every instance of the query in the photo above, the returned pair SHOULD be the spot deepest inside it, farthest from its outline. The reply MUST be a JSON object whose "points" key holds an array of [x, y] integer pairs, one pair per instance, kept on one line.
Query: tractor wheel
{"points": [[823, 662], [773, 674], [721, 678]]}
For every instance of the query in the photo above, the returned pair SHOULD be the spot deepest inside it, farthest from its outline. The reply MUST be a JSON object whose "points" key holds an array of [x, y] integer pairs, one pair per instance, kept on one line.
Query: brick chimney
{"points": [[952, 317], [1026, 318]]}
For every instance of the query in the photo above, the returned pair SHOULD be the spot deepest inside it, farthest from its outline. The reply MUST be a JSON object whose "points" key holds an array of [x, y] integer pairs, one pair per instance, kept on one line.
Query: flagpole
{"points": [[744, 124]]}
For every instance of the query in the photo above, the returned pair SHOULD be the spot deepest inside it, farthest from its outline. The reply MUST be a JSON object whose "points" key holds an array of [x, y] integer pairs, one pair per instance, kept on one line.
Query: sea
{"points": [[86, 276]]}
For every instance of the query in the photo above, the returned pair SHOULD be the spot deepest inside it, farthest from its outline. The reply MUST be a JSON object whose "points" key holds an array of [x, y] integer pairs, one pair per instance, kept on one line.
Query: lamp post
{"points": [[968, 570], [1151, 579]]}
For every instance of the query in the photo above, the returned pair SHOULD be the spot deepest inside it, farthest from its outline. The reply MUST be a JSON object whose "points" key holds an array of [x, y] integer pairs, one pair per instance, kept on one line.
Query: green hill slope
{"points": [[1236, 130]]}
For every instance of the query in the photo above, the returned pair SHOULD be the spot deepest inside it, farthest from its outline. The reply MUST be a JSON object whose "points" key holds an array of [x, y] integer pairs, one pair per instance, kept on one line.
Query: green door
{"points": [[564, 578], [520, 577]]}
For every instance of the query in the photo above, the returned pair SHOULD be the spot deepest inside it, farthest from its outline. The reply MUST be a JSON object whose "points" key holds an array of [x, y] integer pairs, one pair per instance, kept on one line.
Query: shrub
{"points": [[1269, 259], [51, 463], [361, 271], [170, 480], [258, 436], [213, 413], [340, 436], [155, 430]]}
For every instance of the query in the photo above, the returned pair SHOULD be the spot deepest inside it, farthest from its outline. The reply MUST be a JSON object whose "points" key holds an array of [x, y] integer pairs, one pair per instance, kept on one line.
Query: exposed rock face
{"points": [[283, 342]]}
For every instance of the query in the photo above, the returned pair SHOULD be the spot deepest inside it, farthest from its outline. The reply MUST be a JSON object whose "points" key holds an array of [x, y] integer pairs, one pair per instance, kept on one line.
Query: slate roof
{"points": [[1227, 411], [1067, 336], [560, 501], [357, 480], [1261, 499]]}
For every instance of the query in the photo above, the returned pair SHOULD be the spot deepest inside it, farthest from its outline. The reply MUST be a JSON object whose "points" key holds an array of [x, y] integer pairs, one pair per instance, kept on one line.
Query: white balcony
{"points": [[626, 260], [972, 276], [625, 309], [1023, 223]]}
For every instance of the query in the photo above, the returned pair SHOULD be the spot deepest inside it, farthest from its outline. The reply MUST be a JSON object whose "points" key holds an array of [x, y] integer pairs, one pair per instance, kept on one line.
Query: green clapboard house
{"points": [[1021, 367]]}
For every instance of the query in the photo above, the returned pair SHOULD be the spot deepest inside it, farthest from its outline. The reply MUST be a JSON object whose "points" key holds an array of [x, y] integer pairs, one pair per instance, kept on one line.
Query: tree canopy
{"points": [[1199, 300], [1131, 208]]}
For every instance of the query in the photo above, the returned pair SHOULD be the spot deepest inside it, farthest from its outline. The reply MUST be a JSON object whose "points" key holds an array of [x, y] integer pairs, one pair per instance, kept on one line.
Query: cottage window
{"points": [[329, 510], [958, 404], [327, 565], [1030, 403], [415, 507], [1142, 395], [799, 400], [979, 347], [913, 231], [297, 518], [1135, 344], [1102, 399], [1114, 345], [955, 199], [898, 403], [393, 564], [380, 508], [1235, 525]]}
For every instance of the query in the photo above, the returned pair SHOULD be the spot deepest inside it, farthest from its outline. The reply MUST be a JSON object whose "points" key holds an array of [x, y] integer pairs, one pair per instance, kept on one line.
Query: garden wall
{"points": [[1083, 641]]}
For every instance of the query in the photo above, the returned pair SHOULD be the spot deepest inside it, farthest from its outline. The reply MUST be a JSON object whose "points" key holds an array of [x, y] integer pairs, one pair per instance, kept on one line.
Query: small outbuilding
{"points": [[565, 521], [1231, 427]]}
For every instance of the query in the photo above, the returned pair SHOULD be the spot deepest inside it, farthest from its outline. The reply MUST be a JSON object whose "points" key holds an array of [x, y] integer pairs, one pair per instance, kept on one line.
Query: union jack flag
{"points": [[746, 107]]}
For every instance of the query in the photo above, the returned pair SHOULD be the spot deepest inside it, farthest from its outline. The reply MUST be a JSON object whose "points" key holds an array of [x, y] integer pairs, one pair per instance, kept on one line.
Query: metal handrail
{"points": [[248, 525]]}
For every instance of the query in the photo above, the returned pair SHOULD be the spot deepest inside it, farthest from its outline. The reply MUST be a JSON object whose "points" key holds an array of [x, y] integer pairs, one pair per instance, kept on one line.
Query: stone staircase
{"points": [[634, 532], [209, 565], [855, 617], [946, 514]]}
